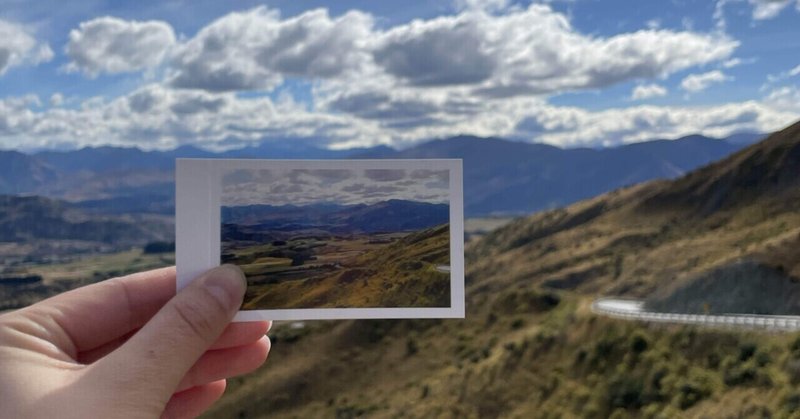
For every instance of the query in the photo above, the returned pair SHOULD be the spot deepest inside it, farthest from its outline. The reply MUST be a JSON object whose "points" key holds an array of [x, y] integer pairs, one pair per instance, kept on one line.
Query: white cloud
{"points": [[19, 47], [760, 9], [785, 98], [529, 51], [158, 117], [646, 91], [485, 5], [768, 9], [154, 116], [795, 71], [255, 50], [535, 51], [112, 45], [694, 83], [56, 99]]}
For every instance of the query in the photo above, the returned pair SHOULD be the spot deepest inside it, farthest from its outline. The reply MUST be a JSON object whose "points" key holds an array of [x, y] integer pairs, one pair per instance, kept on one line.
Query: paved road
{"points": [[634, 310]]}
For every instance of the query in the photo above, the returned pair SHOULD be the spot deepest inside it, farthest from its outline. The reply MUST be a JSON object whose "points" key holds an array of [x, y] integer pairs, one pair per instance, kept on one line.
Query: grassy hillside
{"points": [[401, 274], [530, 347]]}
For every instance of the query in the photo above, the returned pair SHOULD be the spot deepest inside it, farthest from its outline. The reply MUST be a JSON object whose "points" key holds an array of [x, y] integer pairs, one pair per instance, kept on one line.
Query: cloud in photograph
{"points": [[340, 186]]}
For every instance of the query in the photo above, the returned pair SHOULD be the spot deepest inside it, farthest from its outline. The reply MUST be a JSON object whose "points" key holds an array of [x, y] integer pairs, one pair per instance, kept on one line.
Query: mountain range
{"points": [[500, 176], [385, 216]]}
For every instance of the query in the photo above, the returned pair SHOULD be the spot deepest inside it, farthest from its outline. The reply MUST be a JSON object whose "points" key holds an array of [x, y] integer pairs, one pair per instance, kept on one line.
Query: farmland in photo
{"points": [[381, 238]]}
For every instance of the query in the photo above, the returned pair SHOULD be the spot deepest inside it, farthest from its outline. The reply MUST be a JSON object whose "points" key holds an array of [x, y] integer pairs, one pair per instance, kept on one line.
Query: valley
{"points": [[330, 256]]}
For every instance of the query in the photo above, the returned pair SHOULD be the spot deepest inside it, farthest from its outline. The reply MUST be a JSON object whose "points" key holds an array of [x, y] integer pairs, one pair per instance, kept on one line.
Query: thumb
{"points": [[161, 353]]}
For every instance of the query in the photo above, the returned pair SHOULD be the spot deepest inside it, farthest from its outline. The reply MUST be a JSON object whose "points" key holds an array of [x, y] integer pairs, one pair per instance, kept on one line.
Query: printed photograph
{"points": [[338, 238]]}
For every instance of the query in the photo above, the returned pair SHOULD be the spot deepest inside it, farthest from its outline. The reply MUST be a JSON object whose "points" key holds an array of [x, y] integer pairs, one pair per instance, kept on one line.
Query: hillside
{"points": [[33, 228], [401, 274], [530, 347]]}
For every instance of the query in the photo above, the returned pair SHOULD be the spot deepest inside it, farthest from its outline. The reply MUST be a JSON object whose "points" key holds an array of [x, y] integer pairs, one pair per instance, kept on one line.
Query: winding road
{"points": [[634, 310]]}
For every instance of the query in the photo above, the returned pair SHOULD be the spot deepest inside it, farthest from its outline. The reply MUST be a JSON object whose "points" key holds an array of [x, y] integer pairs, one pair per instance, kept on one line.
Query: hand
{"points": [[128, 348]]}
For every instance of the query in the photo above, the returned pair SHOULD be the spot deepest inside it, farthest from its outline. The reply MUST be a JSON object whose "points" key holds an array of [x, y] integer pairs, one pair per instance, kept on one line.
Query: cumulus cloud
{"points": [[154, 116], [768, 9], [485, 5], [158, 117], [255, 49], [786, 98], [646, 91], [439, 52], [535, 51], [112, 45], [694, 83], [18, 46], [56, 99], [521, 51], [760, 9]]}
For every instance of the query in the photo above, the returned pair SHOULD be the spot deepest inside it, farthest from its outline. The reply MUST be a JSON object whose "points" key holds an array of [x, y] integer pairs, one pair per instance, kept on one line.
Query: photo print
{"points": [[329, 239]]}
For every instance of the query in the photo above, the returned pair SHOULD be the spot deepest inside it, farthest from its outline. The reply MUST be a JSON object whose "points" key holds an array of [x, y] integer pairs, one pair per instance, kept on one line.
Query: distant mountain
{"points": [[20, 173], [514, 177], [393, 215], [500, 176], [385, 216], [29, 219]]}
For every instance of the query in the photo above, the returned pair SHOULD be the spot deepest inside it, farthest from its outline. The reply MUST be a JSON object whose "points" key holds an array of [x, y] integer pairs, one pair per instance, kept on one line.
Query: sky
{"points": [[221, 75], [340, 186]]}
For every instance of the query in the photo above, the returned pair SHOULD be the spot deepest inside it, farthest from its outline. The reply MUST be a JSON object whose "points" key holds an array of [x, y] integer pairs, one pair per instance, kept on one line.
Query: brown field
{"points": [[354, 271]]}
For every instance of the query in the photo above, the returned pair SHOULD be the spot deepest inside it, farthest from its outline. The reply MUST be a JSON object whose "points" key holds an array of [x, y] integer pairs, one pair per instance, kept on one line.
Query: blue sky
{"points": [[362, 73]]}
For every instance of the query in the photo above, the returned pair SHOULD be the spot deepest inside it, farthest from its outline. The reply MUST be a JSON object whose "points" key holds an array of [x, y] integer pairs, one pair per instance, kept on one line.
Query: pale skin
{"points": [[128, 348]]}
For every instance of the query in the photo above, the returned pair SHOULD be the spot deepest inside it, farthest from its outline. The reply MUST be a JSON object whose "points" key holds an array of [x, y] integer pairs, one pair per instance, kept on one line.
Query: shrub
{"points": [[638, 343], [746, 351], [411, 347]]}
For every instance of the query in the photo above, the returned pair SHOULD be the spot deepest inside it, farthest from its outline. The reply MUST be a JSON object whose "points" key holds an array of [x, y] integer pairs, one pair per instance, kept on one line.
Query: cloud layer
{"points": [[489, 69], [340, 186]]}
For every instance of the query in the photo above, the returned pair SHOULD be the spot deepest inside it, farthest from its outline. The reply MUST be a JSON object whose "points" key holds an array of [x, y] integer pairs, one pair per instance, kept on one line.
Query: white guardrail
{"points": [[633, 310]]}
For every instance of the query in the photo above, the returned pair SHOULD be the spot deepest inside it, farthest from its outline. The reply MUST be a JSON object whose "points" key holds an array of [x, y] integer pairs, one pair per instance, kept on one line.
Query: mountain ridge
{"points": [[501, 176]]}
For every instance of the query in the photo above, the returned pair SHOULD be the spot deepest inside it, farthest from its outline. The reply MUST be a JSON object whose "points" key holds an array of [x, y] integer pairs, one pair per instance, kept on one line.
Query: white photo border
{"points": [[198, 184]]}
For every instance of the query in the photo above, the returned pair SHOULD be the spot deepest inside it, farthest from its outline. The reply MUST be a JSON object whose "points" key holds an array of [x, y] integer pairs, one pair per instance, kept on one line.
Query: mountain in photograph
{"points": [[530, 343], [500, 176], [393, 253], [386, 216]]}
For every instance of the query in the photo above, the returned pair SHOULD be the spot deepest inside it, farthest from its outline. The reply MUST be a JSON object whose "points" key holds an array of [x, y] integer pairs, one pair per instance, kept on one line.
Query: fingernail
{"points": [[227, 284]]}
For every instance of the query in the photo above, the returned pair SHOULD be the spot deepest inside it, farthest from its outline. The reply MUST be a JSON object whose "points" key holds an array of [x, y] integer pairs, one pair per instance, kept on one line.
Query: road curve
{"points": [[634, 310]]}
